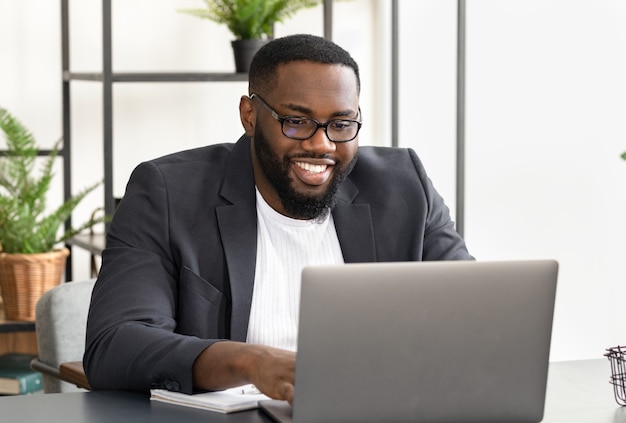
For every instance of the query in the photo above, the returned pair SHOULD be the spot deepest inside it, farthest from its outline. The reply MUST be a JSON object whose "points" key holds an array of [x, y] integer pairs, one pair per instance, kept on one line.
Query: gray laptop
{"points": [[423, 341]]}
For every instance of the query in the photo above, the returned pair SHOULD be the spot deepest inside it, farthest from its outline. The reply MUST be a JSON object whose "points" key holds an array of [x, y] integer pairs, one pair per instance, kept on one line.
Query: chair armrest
{"points": [[44, 368], [71, 372]]}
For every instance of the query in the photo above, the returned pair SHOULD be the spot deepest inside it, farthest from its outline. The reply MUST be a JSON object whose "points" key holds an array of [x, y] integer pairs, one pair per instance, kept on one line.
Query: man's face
{"points": [[300, 178]]}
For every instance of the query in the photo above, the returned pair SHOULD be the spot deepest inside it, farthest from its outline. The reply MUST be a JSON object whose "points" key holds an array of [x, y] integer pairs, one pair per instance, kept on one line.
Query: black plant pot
{"points": [[244, 51]]}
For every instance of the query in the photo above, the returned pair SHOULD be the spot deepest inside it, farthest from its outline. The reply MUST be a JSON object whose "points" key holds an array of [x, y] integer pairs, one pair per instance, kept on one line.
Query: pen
{"points": [[249, 390]]}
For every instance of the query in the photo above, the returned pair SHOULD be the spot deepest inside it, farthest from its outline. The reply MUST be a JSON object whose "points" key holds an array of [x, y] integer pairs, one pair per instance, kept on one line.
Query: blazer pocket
{"points": [[190, 281], [203, 310]]}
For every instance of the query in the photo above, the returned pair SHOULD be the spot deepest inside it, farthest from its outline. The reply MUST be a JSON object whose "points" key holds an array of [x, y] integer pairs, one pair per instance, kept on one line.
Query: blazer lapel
{"points": [[238, 230], [354, 225]]}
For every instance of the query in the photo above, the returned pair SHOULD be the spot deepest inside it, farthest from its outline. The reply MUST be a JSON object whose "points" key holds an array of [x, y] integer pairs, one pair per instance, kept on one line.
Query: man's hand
{"points": [[273, 373], [227, 364]]}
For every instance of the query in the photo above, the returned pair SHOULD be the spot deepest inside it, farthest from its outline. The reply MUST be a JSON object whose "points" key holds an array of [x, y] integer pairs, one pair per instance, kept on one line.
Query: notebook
{"points": [[231, 400], [423, 341]]}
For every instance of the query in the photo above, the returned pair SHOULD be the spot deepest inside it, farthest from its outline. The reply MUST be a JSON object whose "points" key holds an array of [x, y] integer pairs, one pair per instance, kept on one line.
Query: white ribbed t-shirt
{"points": [[284, 247]]}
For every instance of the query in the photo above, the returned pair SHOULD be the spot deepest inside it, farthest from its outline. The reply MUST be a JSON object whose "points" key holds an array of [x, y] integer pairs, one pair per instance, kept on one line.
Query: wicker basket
{"points": [[25, 277]]}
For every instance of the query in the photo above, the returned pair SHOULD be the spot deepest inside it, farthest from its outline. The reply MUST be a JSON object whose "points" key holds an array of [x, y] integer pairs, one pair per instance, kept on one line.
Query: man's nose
{"points": [[319, 143]]}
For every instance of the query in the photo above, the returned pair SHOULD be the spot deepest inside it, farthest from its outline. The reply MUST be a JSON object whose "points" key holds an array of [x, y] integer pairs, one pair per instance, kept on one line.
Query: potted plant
{"points": [[30, 262], [250, 21]]}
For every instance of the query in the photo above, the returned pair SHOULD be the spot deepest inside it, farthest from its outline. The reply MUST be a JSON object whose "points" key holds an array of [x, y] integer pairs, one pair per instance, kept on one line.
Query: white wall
{"points": [[544, 117], [545, 130], [545, 114]]}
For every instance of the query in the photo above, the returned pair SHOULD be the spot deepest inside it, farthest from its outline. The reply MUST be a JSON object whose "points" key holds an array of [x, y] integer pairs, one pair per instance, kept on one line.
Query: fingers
{"points": [[274, 375], [283, 391], [288, 393]]}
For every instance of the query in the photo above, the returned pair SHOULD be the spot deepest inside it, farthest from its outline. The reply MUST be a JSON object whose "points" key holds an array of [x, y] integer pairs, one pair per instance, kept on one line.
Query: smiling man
{"points": [[200, 281], [298, 167]]}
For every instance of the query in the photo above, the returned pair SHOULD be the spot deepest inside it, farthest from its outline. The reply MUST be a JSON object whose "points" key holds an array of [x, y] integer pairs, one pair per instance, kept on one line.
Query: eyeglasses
{"points": [[302, 128]]}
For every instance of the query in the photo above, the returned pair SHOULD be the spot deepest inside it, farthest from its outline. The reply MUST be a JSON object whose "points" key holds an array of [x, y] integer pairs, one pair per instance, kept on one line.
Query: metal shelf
{"points": [[157, 76], [93, 243], [9, 326]]}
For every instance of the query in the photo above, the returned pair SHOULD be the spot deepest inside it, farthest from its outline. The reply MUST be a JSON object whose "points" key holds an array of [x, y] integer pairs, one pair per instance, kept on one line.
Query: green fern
{"points": [[250, 19], [24, 225]]}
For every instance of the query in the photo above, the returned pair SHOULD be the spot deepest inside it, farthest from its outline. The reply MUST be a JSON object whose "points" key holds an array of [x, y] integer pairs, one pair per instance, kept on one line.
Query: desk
{"points": [[578, 392], [110, 407]]}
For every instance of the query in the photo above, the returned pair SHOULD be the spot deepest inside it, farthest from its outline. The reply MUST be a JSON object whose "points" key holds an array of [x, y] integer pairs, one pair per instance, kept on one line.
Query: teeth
{"points": [[311, 167]]}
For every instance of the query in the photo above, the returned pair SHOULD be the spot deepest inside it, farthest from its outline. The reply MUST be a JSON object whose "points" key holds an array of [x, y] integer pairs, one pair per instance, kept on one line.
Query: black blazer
{"points": [[178, 270]]}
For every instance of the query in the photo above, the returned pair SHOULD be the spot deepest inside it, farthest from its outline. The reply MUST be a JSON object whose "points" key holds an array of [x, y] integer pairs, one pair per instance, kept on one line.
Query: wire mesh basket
{"points": [[617, 358]]}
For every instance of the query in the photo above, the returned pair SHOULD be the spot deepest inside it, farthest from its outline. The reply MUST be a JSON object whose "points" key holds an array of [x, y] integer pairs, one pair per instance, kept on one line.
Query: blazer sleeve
{"points": [[131, 340], [441, 240], [409, 219]]}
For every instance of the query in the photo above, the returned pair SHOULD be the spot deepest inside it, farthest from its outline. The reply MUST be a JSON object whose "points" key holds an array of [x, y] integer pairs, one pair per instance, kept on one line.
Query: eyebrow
{"points": [[308, 112]]}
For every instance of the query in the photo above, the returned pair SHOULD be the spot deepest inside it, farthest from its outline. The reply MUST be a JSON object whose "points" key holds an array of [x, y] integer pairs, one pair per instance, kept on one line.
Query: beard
{"points": [[297, 204]]}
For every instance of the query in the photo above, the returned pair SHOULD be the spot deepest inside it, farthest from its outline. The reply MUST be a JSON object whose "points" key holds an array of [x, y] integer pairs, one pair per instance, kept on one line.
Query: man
{"points": [[199, 286]]}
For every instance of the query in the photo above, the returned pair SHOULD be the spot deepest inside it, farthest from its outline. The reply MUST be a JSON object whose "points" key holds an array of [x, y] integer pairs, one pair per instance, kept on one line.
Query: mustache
{"points": [[311, 156]]}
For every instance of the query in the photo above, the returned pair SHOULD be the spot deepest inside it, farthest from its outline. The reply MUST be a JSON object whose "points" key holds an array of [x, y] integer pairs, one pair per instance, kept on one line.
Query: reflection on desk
{"points": [[578, 392]]}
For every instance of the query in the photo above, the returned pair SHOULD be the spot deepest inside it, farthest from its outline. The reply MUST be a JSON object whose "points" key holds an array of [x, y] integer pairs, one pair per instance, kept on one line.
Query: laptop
{"points": [[462, 341]]}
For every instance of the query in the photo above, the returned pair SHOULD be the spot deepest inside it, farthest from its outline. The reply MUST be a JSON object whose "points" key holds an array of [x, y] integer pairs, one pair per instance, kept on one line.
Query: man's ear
{"points": [[247, 115]]}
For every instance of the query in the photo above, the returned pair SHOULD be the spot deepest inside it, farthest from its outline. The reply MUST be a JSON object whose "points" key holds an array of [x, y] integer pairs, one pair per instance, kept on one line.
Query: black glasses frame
{"points": [[282, 119]]}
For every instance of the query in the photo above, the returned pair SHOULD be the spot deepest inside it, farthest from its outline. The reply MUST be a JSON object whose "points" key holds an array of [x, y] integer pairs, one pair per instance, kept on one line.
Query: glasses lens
{"points": [[342, 130], [336, 130], [299, 128]]}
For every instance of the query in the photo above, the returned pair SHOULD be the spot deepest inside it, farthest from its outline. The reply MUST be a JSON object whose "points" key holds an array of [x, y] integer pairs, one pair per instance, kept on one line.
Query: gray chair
{"points": [[61, 322]]}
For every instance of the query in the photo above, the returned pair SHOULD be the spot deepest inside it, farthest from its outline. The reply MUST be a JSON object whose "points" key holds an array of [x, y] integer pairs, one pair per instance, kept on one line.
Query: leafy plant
{"points": [[250, 19], [24, 225]]}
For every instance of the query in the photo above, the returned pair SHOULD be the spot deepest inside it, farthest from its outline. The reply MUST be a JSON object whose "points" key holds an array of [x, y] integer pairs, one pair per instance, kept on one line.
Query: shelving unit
{"points": [[17, 336], [108, 77]]}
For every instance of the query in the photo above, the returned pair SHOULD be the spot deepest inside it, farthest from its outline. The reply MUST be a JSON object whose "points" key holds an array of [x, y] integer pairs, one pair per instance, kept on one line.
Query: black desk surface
{"points": [[578, 392], [110, 407]]}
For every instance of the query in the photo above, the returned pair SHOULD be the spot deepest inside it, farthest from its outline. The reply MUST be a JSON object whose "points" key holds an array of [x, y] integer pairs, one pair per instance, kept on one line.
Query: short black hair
{"points": [[262, 74]]}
